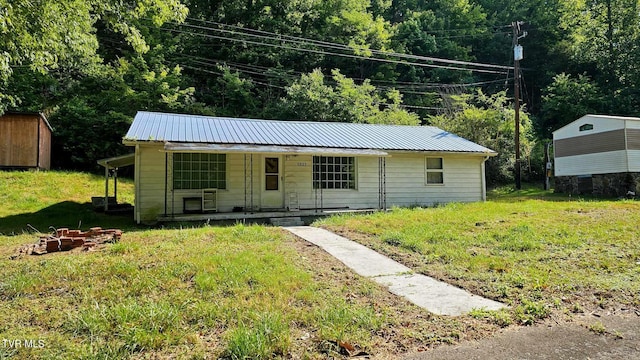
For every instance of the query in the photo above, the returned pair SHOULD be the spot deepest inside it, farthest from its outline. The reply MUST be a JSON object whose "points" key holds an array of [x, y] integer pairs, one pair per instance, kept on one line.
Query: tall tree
{"points": [[606, 33], [567, 99], [45, 35]]}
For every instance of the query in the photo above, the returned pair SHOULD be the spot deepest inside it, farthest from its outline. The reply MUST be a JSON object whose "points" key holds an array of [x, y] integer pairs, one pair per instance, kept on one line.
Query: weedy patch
{"points": [[598, 328]]}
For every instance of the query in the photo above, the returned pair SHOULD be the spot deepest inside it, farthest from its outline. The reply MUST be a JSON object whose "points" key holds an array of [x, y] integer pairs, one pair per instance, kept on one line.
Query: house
{"points": [[599, 155], [25, 141], [201, 167]]}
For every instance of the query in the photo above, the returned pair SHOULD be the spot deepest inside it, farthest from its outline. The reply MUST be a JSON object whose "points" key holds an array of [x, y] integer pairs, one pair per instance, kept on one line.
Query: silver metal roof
{"points": [[164, 127]]}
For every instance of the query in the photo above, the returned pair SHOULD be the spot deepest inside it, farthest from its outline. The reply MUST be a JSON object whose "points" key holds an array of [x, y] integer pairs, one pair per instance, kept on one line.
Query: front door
{"points": [[272, 192]]}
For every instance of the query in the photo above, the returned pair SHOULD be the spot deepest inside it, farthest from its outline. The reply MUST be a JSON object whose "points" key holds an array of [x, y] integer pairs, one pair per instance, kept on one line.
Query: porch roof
{"points": [[192, 129], [268, 149], [118, 161]]}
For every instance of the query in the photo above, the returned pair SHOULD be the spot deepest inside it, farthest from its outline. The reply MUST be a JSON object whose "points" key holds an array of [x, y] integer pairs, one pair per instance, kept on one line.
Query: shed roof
{"points": [[180, 128]]}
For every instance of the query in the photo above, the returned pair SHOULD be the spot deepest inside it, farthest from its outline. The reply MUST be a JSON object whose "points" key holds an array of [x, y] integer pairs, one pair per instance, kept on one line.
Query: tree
{"points": [[97, 110], [567, 99], [45, 35], [489, 121], [605, 38], [313, 100]]}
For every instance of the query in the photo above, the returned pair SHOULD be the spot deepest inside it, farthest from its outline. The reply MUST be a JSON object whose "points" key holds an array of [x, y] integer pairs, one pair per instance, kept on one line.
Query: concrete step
{"points": [[287, 221]]}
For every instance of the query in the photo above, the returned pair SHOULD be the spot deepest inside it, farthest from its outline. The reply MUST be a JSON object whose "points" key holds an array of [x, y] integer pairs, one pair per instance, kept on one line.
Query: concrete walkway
{"points": [[433, 295]]}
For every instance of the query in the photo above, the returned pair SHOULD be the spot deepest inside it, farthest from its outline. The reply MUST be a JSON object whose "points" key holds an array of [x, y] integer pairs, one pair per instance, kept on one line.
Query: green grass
{"points": [[537, 251], [236, 292], [256, 292], [53, 198]]}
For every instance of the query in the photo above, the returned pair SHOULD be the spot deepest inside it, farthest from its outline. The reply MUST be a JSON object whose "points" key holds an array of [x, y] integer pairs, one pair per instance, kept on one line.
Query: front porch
{"points": [[260, 216]]}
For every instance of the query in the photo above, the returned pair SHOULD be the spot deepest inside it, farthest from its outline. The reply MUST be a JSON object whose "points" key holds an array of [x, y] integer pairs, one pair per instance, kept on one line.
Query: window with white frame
{"points": [[334, 172], [199, 171], [434, 171]]}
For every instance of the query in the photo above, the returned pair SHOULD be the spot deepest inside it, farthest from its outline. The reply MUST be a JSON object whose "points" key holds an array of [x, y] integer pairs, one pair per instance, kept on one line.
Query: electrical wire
{"points": [[305, 41], [334, 54], [264, 71]]}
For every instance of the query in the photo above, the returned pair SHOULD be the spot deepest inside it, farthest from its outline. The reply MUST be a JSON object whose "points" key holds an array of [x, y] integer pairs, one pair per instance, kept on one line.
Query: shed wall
{"points": [[19, 140], [44, 146]]}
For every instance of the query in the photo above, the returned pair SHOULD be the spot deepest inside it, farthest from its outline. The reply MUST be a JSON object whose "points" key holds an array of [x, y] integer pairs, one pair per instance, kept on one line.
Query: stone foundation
{"points": [[611, 185]]}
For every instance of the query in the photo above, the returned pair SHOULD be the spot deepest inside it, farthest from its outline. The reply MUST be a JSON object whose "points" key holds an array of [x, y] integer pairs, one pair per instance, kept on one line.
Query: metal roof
{"points": [[176, 128]]}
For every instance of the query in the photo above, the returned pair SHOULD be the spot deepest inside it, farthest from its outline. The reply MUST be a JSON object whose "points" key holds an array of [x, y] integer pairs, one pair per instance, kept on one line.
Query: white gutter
{"points": [[267, 149]]}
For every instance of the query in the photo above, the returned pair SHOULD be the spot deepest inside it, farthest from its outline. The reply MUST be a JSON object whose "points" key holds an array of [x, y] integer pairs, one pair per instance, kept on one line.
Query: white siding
{"points": [[150, 182], [600, 124], [633, 160], [588, 164], [405, 183]]}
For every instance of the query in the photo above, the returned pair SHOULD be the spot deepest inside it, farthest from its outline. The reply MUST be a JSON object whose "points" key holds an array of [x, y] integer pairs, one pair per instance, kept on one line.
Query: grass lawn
{"points": [[543, 254], [234, 292], [256, 292]]}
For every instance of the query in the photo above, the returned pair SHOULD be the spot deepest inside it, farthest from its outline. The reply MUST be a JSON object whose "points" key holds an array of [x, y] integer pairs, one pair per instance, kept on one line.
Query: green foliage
{"points": [[489, 121], [311, 99], [104, 106], [63, 57], [567, 99], [45, 35], [604, 40]]}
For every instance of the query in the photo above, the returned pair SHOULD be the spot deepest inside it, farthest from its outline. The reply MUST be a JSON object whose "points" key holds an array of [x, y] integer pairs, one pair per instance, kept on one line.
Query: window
{"points": [[586, 127], [434, 171], [334, 172], [199, 171], [271, 173]]}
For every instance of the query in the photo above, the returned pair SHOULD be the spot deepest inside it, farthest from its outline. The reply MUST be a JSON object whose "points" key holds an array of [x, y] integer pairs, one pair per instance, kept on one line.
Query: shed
{"points": [[598, 154], [203, 167], [25, 141]]}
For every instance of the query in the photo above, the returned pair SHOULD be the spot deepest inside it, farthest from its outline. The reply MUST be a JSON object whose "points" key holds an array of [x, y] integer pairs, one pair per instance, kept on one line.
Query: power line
{"points": [[332, 45], [405, 88], [219, 73], [334, 54]]}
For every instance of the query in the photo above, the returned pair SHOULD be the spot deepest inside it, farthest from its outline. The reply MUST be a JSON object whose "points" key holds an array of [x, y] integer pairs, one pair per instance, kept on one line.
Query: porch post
{"points": [[106, 188], [384, 183], [244, 167], [321, 183], [115, 185], [251, 180]]}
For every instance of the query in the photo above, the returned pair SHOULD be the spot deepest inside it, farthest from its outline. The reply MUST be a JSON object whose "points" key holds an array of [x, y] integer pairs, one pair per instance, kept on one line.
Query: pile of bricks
{"points": [[64, 240]]}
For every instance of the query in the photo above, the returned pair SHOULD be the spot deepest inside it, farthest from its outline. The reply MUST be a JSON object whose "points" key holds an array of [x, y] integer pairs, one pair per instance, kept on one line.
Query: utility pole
{"points": [[517, 56]]}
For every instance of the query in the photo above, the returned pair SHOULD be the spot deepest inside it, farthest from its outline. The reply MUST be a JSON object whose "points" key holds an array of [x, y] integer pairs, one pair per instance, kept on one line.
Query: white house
{"points": [[228, 168], [598, 154]]}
